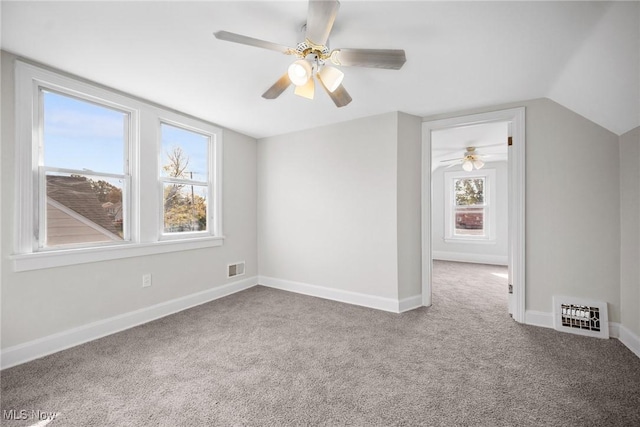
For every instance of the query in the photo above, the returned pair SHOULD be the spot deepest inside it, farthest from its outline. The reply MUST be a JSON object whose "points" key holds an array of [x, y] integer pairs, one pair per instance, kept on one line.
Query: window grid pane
{"points": [[83, 209], [185, 208]]}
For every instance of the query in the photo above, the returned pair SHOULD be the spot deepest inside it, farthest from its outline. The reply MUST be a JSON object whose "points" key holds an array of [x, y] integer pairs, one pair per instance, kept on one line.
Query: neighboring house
{"points": [[74, 213]]}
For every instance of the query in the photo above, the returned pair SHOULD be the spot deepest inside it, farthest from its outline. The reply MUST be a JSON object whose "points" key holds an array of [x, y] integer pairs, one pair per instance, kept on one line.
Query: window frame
{"points": [[489, 220], [214, 164], [40, 234], [143, 119]]}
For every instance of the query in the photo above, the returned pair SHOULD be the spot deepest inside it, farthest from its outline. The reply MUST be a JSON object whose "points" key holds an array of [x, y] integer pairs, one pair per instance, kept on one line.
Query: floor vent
{"points": [[236, 269], [580, 316]]}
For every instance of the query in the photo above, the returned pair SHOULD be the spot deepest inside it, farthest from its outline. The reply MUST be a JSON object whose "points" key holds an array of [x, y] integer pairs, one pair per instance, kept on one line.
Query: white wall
{"points": [[482, 252], [630, 230], [572, 206], [39, 303]]}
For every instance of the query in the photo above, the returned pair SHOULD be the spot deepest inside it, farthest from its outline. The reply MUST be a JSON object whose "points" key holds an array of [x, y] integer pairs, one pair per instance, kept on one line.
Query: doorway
{"points": [[472, 216]]}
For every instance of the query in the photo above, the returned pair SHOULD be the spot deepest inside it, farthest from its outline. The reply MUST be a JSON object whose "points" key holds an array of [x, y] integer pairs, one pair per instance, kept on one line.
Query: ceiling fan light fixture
{"points": [[299, 72], [478, 163], [331, 77], [467, 165], [307, 90]]}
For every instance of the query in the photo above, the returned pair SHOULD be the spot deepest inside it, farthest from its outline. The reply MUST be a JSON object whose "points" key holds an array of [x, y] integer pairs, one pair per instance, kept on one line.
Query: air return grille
{"points": [[582, 317], [236, 269]]}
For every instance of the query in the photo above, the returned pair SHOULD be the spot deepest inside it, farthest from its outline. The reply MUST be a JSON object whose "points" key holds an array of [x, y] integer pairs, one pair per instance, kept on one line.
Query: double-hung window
{"points": [[469, 213], [83, 177], [102, 175], [184, 177]]}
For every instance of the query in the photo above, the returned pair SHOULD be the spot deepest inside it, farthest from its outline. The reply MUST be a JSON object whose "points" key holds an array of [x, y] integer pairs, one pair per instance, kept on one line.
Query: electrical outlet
{"points": [[146, 280]]}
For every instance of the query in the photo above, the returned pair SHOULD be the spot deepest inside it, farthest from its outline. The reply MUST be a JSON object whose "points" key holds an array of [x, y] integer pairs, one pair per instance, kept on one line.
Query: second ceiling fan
{"points": [[313, 55]]}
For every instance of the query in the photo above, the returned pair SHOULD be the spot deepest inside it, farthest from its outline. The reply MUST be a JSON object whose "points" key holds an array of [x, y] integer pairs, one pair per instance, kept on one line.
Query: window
{"points": [[184, 174], [468, 205], [83, 193], [82, 171]]}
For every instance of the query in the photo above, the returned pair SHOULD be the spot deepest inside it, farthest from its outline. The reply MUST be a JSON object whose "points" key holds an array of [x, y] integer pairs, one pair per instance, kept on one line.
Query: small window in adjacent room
{"points": [[82, 172], [468, 205]]}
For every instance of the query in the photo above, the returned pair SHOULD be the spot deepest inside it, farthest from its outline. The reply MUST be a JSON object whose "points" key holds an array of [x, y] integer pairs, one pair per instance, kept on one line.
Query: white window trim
{"points": [[490, 212], [143, 240]]}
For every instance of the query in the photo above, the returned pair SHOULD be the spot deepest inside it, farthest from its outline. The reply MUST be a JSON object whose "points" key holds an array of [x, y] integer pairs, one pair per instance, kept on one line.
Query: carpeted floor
{"points": [[268, 357]]}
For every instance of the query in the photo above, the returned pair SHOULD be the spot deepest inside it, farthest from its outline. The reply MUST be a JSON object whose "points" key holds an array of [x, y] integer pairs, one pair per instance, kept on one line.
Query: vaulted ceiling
{"points": [[460, 55]]}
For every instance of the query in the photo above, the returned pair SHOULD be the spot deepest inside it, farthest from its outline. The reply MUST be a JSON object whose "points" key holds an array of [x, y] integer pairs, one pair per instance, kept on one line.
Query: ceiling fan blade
{"points": [[392, 59], [320, 17], [278, 87], [451, 160], [250, 41], [340, 96]]}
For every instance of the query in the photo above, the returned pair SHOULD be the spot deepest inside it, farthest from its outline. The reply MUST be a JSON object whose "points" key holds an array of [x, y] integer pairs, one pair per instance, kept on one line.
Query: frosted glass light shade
{"points": [[299, 72], [467, 165], [307, 90], [478, 163], [331, 77]]}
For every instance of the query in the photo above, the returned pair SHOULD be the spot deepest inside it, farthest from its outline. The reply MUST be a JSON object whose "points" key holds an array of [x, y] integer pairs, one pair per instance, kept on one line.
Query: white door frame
{"points": [[516, 178]]}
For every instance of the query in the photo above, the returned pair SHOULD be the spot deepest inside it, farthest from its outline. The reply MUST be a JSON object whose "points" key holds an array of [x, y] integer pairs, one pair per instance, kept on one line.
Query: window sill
{"points": [[59, 258], [466, 240]]}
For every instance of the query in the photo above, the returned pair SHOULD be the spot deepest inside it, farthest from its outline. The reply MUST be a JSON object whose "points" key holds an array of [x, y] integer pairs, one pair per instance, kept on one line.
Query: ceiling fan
{"points": [[469, 160], [313, 55]]}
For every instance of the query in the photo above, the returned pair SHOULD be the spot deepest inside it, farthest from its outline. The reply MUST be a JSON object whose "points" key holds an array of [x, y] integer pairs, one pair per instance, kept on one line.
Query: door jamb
{"points": [[516, 177]]}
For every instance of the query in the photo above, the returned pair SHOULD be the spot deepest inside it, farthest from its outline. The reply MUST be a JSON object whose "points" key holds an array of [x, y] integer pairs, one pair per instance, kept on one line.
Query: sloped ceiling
{"points": [[460, 55]]}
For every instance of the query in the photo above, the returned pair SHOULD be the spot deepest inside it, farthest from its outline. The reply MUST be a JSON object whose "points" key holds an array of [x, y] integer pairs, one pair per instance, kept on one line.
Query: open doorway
{"points": [[469, 215], [473, 200]]}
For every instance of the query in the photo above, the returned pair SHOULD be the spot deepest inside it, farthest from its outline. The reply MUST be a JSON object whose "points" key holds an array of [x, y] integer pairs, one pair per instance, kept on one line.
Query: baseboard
{"points": [[616, 330], [355, 298], [473, 258], [411, 303], [40, 347], [538, 318], [629, 339]]}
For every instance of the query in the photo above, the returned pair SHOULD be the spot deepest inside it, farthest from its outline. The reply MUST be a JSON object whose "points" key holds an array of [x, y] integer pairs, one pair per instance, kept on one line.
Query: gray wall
{"points": [[630, 230], [409, 206], [327, 206], [43, 302], [473, 252], [339, 206], [572, 206]]}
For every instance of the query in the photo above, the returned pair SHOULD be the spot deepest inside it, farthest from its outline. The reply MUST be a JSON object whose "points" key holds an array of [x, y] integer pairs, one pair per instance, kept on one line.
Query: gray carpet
{"points": [[268, 357]]}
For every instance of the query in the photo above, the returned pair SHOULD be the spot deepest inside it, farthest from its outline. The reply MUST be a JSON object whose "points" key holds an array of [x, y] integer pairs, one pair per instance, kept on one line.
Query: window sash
{"points": [[42, 207], [212, 199]]}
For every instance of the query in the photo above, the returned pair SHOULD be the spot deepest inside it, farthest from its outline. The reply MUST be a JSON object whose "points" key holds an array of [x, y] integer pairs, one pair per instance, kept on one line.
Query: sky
{"points": [[81, 135]]}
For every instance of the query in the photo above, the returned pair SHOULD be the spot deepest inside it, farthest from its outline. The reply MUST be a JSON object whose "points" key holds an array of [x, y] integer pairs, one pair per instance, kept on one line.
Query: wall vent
{"points": [[236, 269], [580, 316]]}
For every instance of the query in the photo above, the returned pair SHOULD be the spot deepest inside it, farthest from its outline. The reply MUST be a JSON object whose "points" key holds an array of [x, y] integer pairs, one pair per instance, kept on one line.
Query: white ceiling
{"points": [[460, 55], [489, 139]]}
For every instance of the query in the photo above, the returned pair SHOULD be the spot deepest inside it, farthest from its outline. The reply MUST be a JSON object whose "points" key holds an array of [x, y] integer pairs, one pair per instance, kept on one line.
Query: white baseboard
{"points": [[411, 303], [40, 347], [616, 330], [355, 298], [473, 258], [629, 339], [538, 318]]}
